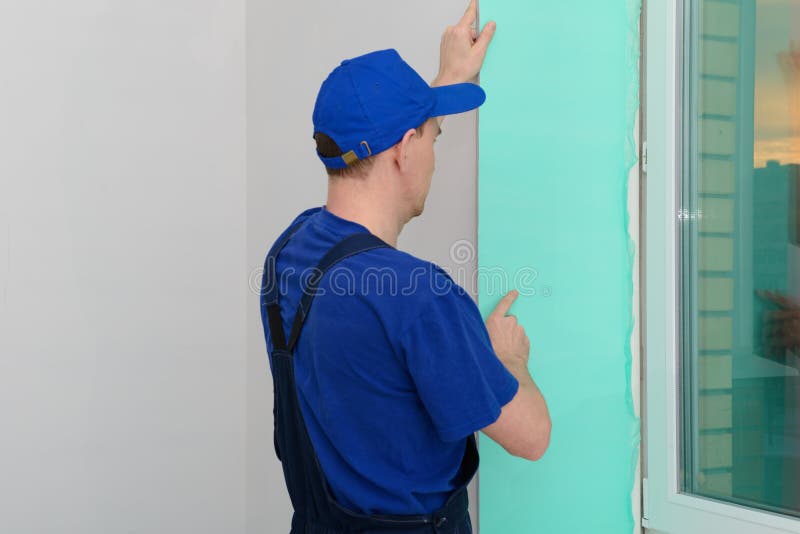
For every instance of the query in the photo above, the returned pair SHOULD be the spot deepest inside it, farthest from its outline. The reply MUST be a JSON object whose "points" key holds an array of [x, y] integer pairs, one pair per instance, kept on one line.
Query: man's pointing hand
{"points": [[508, 337]]}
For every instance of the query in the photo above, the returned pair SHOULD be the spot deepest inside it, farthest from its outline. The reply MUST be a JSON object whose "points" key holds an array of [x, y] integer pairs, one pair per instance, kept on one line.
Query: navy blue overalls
{"points": [[316, 510]]}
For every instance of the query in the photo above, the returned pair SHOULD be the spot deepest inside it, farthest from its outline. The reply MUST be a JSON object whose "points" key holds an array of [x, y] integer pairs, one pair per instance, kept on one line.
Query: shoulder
{"points": [[413, 276], [302, 218], [293, 226], [399, 287]]}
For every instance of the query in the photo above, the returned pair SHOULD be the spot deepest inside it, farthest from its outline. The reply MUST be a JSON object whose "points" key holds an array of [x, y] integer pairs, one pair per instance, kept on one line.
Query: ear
{"points": [[403, 150]]}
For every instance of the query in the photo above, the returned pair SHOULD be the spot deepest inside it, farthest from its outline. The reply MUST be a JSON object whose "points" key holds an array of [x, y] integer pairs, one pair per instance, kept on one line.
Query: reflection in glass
{"points": [[740, 253]]}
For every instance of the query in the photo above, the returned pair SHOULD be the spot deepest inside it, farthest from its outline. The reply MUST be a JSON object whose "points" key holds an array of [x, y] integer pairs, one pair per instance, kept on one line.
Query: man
{"points": [[377, 402]]}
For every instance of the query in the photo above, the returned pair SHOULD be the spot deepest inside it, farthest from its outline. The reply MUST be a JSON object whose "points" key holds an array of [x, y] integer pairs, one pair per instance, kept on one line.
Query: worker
{"points": [[382, 366]]}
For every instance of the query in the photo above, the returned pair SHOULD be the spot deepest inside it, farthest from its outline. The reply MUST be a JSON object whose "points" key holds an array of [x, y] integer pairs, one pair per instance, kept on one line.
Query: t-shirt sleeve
{"points": [[460, 380]]}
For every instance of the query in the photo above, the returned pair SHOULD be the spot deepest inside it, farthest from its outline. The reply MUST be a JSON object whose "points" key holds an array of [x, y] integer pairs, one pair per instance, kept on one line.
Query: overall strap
{"points": [[349, 246], [269, 286]]}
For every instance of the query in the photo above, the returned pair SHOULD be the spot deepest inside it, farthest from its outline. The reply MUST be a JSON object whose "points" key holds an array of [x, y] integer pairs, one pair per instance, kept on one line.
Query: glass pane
{"points": [[740, 253]]}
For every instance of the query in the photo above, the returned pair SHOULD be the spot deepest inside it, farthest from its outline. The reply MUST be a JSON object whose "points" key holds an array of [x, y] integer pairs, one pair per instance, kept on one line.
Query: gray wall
{"points": [[149, 155], [291, 48], [122, 260]]}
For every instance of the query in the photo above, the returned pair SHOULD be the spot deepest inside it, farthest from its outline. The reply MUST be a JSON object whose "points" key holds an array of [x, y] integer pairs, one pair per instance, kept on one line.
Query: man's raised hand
{"points": [[463, 49]]}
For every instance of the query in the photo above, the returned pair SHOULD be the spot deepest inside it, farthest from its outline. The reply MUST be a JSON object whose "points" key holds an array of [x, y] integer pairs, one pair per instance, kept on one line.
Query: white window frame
{"points": [[665, 507]]}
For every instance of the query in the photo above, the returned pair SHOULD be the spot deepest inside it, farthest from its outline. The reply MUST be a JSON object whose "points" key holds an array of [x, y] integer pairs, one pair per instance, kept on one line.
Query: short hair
{"points": [[327, 148]]}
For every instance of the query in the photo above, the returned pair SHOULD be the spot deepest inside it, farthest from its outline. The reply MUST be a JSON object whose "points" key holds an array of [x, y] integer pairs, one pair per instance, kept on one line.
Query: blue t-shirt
{"points": [[394, 369]]}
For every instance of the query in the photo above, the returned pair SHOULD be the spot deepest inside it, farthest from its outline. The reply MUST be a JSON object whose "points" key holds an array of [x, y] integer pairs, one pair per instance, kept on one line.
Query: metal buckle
{"points": [[369, 150]]}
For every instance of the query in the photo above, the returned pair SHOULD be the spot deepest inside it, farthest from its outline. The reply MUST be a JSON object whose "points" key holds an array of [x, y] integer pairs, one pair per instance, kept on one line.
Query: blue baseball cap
{"points": [[368, 103]]}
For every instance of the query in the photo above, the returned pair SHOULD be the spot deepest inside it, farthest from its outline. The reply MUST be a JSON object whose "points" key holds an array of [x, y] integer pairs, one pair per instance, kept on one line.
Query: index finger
{"points": [[470, 15], [505, 303]]}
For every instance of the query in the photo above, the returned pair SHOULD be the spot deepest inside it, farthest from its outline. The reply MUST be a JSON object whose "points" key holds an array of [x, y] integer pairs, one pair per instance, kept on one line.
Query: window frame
{"points": [[665, 507]]}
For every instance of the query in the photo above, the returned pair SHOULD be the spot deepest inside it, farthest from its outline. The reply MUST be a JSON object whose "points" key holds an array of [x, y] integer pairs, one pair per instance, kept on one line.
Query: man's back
{"points": [[394, 369]]}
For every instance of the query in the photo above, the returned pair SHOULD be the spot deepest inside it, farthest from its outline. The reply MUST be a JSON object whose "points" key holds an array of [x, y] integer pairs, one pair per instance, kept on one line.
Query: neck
{"points": [[369, 203]]}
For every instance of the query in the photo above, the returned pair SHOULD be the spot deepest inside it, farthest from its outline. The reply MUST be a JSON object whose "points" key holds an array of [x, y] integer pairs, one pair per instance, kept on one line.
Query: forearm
{"points": [[523, 428], [437, 82], [529, 389]]}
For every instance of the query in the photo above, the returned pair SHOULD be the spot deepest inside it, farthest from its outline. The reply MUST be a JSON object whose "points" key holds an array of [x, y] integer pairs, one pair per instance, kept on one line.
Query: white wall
{"points": [[143, 175], [122, 253], [291, 48]]}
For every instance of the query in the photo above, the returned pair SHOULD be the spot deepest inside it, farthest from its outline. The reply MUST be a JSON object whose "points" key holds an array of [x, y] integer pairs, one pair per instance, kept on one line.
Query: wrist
{"points": [[443, 79], [439, 81], [518, 368]]}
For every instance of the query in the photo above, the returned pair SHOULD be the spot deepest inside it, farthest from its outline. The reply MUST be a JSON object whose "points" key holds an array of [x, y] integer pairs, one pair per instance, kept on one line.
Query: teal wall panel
{"points": [[556, 149]]}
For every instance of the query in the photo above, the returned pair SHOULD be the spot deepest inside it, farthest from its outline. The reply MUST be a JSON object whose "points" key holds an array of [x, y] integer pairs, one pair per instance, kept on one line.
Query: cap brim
{"points": [[457, 98]]}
